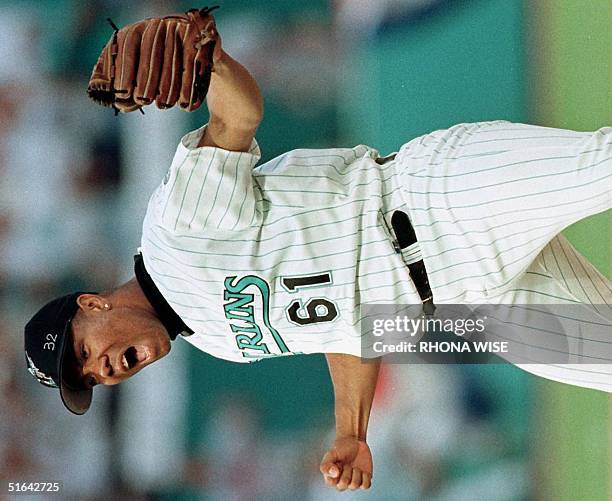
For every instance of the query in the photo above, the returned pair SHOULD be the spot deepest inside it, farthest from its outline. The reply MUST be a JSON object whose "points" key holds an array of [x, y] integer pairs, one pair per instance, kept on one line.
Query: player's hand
{"points": [[348, 464], [218, 52]]}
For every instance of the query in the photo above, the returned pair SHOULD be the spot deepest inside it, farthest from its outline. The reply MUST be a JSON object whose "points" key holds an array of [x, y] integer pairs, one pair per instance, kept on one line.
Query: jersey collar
{"points": [[171, 321]]}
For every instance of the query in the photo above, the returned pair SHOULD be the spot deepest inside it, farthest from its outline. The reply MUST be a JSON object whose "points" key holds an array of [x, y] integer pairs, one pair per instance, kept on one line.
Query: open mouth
{"points": [[133, 356]]}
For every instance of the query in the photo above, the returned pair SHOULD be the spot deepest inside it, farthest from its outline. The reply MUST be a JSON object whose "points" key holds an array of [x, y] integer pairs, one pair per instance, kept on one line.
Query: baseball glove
{"points": [[163, 59]]}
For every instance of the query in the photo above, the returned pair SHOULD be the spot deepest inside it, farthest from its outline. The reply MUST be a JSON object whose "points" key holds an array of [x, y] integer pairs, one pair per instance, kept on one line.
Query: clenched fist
{"points": [[348, 464]]}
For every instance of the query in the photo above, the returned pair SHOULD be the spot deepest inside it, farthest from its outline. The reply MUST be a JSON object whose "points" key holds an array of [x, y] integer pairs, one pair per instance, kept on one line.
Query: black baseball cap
{"points": [[49, 354]]}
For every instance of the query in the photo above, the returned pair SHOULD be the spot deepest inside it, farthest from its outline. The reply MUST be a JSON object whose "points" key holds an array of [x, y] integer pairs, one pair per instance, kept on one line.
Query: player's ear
{"points": [[93, 302]]}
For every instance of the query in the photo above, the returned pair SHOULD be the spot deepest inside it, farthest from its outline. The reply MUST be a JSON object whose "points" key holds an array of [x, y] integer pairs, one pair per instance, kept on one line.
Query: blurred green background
{"points": [[333, 73]]}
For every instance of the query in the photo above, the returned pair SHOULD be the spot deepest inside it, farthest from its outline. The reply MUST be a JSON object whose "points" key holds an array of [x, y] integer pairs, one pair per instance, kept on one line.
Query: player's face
{"points": [[112, 346]]}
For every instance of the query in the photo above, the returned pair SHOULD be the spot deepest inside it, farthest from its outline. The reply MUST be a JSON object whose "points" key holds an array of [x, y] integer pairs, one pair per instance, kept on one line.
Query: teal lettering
{"points": [[238, 286], [245, 342], [240, 308]]}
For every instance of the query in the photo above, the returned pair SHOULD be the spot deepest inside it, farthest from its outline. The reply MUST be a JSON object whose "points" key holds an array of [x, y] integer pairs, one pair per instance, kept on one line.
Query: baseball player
{"points": [[248, 261]]}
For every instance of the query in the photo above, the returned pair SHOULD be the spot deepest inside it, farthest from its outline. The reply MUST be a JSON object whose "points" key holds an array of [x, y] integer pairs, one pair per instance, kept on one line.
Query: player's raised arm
{"points": [[348, 464], [234, 103], [178, 60]]}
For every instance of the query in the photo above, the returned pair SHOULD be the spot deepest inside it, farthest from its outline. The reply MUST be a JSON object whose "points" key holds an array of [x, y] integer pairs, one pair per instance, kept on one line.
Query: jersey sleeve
{"points": [[208, 187]]}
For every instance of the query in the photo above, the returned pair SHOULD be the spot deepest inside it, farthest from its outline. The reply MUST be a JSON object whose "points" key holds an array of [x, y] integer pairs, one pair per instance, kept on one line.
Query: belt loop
{"points": [[384, 160]]}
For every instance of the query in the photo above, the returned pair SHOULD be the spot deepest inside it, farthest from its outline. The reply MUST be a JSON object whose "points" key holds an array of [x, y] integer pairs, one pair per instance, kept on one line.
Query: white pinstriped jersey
{"points": [[485, 198], [277, 259]]}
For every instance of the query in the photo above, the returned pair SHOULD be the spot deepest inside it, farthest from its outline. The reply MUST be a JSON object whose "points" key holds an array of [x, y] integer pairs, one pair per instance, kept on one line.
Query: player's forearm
{"points": [[234, 97], [354, 383]]}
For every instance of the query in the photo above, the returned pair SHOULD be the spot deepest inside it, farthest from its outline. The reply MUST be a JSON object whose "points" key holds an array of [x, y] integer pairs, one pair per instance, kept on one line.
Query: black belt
{"points": [[406, 236], [384, 160], [404, 232]]}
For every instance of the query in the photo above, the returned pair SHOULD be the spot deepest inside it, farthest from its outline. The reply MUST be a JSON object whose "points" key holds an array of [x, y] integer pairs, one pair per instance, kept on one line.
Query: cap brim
{"points": [[76, 400]]}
